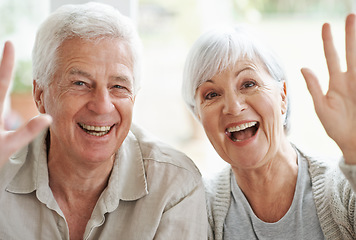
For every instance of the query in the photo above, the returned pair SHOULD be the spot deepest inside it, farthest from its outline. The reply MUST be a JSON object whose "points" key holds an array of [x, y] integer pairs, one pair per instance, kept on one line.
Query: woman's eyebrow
{"points": [[248, 68]]}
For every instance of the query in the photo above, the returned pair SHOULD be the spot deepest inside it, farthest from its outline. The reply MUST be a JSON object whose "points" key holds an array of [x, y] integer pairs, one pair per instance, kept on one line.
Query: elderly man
{"points": [[91, 175]]}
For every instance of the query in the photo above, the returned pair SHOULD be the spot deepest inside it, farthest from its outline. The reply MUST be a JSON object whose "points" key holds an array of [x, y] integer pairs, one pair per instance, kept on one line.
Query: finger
{"points": [[28, 132], [350, 41], [6, 67], [314, 87], [331, 56]]}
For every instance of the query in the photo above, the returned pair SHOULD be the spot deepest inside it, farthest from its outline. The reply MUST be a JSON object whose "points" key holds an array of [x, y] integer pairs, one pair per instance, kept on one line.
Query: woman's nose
{"points": [[234, 104], [101, 102]]}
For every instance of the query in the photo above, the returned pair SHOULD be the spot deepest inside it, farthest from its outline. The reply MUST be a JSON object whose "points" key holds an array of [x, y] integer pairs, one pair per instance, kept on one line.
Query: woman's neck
{"points": [[270, 188]]}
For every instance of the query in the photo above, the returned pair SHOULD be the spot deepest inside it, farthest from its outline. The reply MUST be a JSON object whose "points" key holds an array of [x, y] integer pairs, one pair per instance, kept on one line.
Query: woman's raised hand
{"points": [[337, 108], [12, 141]]}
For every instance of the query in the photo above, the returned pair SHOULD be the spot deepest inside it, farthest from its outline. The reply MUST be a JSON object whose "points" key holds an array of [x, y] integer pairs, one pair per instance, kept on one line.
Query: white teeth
{"points": [[97, 134], [241, 127], [95, 130]]}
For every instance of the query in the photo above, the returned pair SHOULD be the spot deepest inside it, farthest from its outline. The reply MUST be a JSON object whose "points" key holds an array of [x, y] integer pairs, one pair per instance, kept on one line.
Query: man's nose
{"points": [[101, 102]]}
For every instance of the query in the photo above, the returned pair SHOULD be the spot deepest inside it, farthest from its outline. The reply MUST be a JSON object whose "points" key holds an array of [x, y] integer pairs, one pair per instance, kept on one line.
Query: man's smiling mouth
{"points": [[243, 131], [97, 131]]}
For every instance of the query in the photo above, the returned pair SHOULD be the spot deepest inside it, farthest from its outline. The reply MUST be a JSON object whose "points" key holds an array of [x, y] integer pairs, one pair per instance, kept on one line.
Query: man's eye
{"points": [[79, 83], [210, 95], [121, 89], [118, 86]]}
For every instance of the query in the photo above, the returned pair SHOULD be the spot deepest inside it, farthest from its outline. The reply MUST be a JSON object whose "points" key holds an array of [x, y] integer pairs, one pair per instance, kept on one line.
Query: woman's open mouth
{"points": [[243, 131], [97, 131]]}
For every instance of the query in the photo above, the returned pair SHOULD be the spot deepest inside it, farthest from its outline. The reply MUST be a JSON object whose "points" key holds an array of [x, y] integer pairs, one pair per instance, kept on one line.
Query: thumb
{"points": [[28, 132]]}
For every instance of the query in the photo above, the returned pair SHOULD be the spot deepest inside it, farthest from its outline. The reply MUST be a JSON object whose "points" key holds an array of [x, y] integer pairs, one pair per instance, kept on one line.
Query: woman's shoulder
{"points": [[318, 163], [218, 192], [325, 173], [217, 185]]}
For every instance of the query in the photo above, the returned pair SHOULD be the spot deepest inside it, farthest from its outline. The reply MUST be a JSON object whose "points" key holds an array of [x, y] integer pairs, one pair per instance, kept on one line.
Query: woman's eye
{"points": [[210, 95], [248, 84]]}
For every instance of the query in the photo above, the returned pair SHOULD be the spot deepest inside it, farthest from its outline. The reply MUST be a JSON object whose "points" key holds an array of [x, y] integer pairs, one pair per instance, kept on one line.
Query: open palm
{"points": [[11, 141], [337, 108]]}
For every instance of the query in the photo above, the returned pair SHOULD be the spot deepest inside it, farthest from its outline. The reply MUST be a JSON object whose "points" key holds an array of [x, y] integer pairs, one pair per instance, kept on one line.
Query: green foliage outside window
{"points": [[22, 76], [18, 16]]}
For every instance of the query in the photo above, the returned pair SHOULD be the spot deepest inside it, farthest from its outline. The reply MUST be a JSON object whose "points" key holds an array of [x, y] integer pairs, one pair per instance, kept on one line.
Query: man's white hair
{"points": [[90, 21]]}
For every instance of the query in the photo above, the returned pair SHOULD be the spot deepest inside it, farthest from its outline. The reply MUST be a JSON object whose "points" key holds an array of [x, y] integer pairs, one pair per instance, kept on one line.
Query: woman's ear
{"points": [[284, 98], [196, 114], [38, 97]]}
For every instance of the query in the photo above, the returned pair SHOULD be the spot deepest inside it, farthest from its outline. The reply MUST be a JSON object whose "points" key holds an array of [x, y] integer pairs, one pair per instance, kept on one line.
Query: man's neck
{"points": [[71, 177], [77, 190]]}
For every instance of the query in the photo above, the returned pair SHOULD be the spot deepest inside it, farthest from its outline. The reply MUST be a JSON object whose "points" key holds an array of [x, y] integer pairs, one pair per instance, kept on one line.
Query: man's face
{"points": [[91, 100]]}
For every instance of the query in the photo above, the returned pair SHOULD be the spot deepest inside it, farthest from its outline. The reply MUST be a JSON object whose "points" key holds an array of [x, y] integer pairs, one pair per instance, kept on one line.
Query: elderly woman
{"points": [[237, 89]]}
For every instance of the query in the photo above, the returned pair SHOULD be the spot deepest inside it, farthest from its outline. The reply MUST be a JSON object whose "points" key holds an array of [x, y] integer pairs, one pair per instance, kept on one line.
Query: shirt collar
{"points": [[34, 166], [127, 181]]}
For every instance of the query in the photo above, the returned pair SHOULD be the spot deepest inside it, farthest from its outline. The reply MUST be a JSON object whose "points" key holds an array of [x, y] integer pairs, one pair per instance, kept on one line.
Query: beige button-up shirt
{"points": [[154, 192]]}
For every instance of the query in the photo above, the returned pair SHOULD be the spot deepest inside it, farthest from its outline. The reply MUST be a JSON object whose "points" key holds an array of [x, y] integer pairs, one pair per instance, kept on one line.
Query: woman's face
{"points": [[241, 111]]}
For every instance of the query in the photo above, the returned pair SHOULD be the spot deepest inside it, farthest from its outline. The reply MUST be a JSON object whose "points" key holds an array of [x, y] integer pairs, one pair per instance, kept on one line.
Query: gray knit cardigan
{"points": [[333, 195]]}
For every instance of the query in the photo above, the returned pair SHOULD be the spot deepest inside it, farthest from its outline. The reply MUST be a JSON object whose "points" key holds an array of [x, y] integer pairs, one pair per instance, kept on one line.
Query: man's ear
{"points": [[284, 105], [38, 97]]}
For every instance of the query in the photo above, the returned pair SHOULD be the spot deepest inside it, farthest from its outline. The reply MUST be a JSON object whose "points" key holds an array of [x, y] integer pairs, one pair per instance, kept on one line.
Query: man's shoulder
{"points": [[20, 167], [160, 153], [13, 165]]}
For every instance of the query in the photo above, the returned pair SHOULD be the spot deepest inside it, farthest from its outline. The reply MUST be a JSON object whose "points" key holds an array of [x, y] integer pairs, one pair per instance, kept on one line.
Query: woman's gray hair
{"points": [[92, 22], [220, 48]]}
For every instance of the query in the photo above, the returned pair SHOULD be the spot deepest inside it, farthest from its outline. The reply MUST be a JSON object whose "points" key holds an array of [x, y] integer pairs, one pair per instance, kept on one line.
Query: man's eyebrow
{"points": [[123, 79], [118, 78], [76, 71]]}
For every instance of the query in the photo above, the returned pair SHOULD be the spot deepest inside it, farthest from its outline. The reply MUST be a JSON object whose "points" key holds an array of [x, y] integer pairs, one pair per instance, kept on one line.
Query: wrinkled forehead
{"points": [[85, 57], [228, 63]]}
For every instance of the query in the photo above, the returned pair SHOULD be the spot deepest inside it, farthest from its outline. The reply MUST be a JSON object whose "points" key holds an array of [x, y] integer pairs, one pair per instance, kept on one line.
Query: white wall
{"points": [[126, 7]]}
